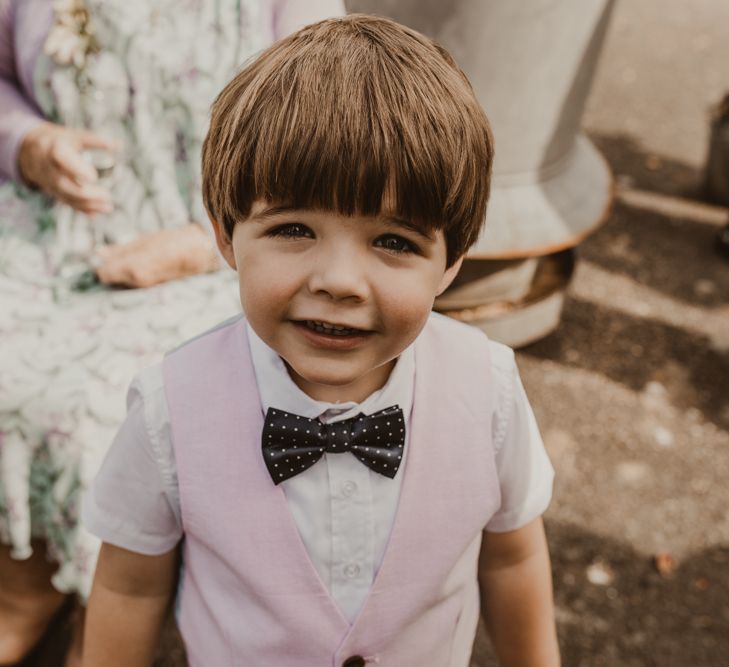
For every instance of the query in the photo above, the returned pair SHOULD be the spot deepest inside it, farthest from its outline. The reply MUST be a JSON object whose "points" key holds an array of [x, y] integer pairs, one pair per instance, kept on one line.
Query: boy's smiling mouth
{"points": [[331, 329]]}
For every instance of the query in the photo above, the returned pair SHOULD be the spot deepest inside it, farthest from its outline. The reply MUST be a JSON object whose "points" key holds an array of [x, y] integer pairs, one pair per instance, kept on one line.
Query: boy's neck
{"points": [[355, 392]]}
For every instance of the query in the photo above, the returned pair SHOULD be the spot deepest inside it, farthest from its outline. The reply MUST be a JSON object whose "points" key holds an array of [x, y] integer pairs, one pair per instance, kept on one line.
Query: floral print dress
{"points": [[69, 350]]}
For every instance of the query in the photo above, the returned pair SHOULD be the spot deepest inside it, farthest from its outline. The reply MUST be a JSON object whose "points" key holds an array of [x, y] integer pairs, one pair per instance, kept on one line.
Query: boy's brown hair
{"points": [[358, 115]]}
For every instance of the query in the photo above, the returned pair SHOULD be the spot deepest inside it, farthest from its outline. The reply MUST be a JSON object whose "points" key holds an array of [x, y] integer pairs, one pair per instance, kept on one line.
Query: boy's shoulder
{"points": [[204, 360], [454, 333], [445, 325], [459, 340], [221, 328]]}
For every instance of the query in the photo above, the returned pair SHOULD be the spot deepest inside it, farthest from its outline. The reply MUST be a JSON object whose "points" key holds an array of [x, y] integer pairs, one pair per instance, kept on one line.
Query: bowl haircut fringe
{"points": [[357, 115]]}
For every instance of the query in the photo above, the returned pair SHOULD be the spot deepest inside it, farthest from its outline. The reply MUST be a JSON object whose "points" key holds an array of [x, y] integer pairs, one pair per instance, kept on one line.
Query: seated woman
{"points": [[103, 107]]}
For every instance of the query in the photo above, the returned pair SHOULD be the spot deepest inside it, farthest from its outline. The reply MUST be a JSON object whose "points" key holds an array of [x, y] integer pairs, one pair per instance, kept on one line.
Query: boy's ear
{"points": [[225, 245], [450, 273]]}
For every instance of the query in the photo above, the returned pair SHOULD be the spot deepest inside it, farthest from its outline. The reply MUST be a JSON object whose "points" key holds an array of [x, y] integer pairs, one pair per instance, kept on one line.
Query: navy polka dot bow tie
{"points": [[292, 443]]}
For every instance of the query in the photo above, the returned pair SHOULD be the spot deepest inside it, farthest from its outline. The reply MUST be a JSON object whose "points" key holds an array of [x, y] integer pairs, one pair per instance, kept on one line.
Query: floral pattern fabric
{"points": [[67, 355]]}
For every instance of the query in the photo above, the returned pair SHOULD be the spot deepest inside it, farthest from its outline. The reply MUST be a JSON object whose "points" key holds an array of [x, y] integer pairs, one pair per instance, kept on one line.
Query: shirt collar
{"points": [[277, 389]]}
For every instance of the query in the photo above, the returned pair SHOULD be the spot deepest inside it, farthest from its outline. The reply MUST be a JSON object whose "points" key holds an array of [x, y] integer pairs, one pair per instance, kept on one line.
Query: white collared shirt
{"points": [[343, 510]]}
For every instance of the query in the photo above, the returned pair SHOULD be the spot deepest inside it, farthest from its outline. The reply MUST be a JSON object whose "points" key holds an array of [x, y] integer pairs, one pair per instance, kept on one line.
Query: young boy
{"points": [[348, 471]]}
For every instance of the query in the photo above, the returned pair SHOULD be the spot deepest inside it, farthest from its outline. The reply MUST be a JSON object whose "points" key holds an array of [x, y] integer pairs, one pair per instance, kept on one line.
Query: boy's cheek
{"points": [[409, 315], [264, 301]]}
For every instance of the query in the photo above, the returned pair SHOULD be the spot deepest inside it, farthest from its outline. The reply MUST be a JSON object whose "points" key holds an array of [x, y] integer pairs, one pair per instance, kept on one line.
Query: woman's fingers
{"points": [[51, 158], [67, 158], [88, 139], [157, 257], [132, 264], [118, 251], [113, 273], [70, 190], [88, 198], [130, 270]]}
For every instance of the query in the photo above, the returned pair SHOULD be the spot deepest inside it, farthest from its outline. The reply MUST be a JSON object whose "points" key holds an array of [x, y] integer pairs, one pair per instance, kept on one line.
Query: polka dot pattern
{"points": [[292, 443]]}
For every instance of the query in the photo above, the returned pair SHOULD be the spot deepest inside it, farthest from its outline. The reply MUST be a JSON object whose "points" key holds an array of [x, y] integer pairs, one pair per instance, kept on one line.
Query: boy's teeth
{"points": [[322, 327]]}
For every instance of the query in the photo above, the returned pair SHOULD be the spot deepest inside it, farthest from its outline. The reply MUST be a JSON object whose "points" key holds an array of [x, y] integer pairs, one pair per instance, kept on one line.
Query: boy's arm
{"points": [[128, 604], [516, 597]]}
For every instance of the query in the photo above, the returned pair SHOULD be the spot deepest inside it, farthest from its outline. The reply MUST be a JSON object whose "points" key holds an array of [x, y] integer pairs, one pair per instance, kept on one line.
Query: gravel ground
{"points": [[631, 396]]}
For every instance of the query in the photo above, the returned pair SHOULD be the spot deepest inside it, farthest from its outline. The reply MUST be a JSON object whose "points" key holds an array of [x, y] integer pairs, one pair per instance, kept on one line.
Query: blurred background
{"points": [[632, 390]]}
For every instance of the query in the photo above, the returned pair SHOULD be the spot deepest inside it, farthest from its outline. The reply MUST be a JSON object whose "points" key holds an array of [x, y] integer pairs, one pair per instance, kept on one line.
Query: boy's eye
{"points": [[291, 230], [396, 244]]}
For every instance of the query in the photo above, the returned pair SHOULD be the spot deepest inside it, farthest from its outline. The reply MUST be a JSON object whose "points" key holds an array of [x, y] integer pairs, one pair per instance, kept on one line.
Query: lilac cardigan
{"points": [[24, 25], [23, 28]]}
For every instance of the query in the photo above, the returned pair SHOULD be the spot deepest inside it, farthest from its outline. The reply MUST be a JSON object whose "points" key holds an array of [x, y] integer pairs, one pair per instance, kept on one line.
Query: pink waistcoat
{"points": [[251, 596]]}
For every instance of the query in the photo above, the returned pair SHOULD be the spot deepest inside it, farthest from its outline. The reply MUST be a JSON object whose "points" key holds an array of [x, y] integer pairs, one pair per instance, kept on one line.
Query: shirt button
{"points": [[354, 661], [351, 570], [349, 489]]}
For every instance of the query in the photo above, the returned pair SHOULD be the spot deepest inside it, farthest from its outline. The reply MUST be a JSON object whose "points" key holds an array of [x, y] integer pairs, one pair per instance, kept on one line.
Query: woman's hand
{"points": [[158, 257], [51, 159]]}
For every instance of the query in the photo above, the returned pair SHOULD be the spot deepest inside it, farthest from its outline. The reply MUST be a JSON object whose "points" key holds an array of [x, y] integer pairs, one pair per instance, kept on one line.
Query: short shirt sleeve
{"points": [[132, 503], [524, 470]]}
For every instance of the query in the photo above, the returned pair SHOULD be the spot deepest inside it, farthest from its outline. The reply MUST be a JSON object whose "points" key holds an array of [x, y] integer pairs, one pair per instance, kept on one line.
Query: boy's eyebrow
{"points": [[271, 212], [410, 226]]}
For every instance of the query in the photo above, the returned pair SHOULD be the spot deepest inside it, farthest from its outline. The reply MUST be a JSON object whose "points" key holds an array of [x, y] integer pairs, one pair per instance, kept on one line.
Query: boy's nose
{"points": [[339, 276]]}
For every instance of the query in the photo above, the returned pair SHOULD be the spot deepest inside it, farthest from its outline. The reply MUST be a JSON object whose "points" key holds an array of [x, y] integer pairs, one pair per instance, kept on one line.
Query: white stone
{"points": [[663, 437], [600, 574]]}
